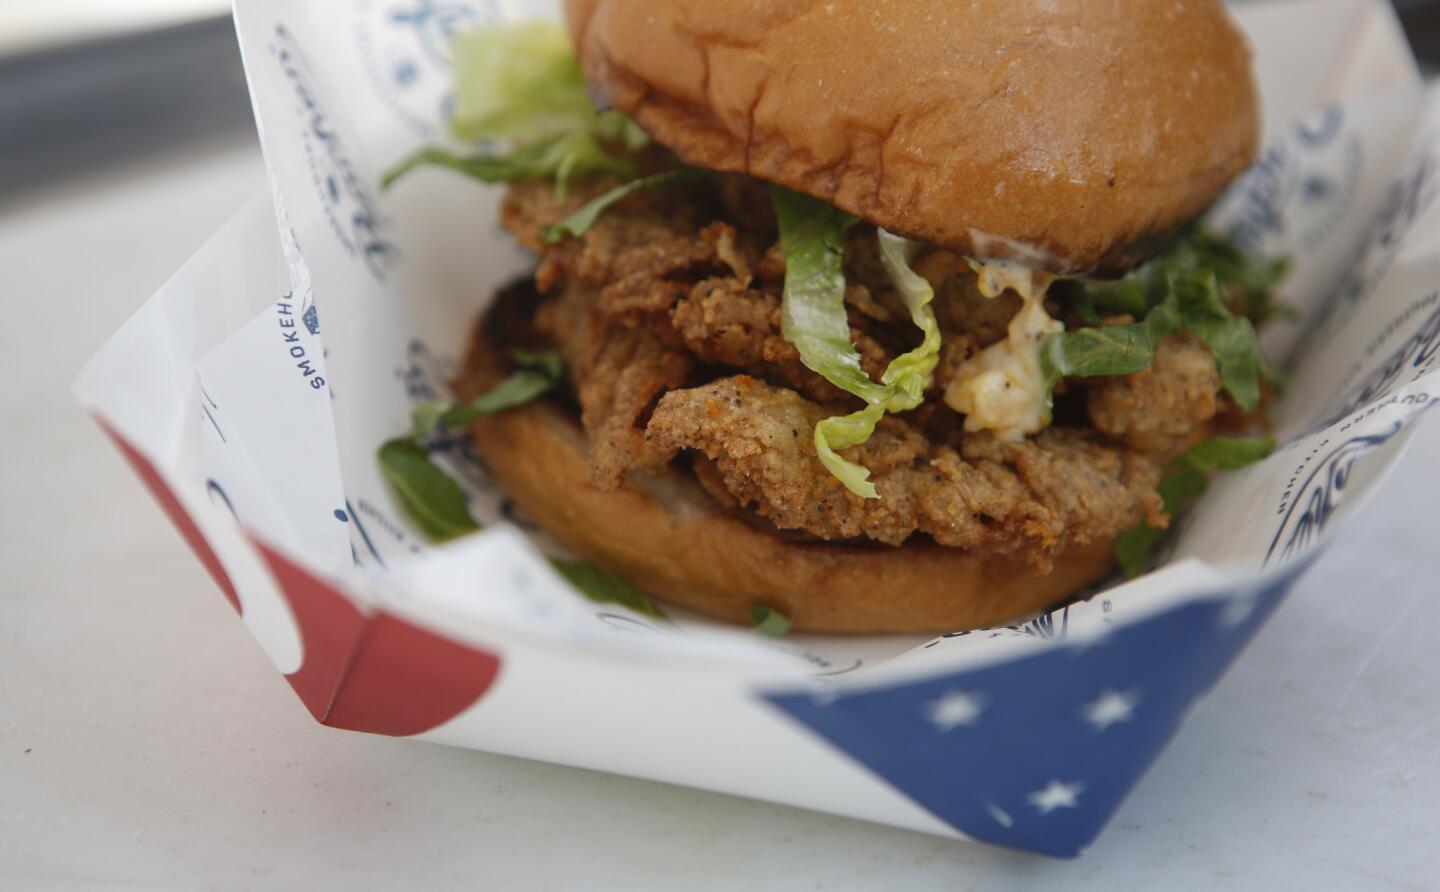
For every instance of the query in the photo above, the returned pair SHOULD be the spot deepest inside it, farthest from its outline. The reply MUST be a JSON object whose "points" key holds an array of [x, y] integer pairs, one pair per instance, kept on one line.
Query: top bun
{"points": [[1055, 133]]}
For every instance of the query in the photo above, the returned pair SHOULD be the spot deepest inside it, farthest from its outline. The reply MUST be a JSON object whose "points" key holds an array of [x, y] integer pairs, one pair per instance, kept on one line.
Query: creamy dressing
{"points": [[1002, 388], [995, 276], [998, 247]]}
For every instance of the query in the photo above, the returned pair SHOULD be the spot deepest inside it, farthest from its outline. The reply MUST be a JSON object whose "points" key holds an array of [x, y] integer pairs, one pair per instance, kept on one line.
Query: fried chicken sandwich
{"points": [[889, 316]]}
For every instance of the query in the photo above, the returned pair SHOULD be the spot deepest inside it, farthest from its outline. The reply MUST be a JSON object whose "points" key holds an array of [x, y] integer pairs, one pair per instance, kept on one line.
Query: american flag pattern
{"points": [[1039, 752]]}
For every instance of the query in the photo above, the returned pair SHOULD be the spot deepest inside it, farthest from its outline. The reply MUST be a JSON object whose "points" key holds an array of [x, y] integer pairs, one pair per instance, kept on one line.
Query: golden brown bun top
{"points": [[1054, 131]]}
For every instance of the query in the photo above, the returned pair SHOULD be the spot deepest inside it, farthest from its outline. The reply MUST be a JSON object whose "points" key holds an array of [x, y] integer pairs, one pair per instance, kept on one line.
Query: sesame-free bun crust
{"points": [[667, 538], [1057, 133]]}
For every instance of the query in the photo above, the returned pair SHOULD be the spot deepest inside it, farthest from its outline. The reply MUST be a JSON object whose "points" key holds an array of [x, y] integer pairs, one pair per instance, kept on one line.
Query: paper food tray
{"points": [[251, 394]]}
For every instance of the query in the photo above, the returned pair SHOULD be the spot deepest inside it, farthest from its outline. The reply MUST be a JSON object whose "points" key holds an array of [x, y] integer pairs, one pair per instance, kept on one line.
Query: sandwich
{"points": [[877, 317]]}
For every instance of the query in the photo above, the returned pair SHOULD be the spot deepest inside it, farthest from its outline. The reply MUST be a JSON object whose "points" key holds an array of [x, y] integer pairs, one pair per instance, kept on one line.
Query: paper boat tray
{"points": [[251, 393]]}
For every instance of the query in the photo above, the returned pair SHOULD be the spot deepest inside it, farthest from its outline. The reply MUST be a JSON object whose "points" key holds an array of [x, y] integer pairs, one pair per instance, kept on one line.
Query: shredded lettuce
{"points": [[813, 319], [545, 361], [1186, 478], [910, 373], [522, 85], [905, 378], [578, 223], [519, 81], [769, 622], [554, 158], [812, 312]]}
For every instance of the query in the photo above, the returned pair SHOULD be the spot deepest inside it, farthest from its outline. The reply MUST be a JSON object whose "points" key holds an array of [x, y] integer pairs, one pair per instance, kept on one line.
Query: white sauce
{"points": [[995, 276], [996, 247], [1002, 388]]}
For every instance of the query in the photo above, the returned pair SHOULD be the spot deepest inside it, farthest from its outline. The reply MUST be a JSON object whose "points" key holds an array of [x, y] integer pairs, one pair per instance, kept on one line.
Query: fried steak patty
{"points": [[667, 314]]}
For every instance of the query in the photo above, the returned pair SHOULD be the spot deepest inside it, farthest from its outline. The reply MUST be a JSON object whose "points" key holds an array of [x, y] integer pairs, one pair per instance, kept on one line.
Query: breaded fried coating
{"points": [[1030, 499], [667, 312], [1155, 409]]}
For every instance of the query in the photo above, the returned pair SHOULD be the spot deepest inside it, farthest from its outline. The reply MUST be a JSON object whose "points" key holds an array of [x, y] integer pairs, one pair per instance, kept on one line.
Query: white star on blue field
{"points": [[1038, 752], [1056, 794], [1109, 708], [955, 708]]}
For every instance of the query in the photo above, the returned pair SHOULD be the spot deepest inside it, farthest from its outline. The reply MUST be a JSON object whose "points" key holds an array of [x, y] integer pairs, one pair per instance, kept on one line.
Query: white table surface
{"points": [[145, 739]]}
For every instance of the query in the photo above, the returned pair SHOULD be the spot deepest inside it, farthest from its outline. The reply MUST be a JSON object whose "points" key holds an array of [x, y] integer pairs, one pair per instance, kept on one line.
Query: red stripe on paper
{"points": [[329, 627], [361, 672], [374, 672], [178, 516]]}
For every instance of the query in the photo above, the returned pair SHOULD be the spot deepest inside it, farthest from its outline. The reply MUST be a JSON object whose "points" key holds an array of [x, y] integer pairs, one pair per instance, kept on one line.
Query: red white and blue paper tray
{"points": [[251, 394]]}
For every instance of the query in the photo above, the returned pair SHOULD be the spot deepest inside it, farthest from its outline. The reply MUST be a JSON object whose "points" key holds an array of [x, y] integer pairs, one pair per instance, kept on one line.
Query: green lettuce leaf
{"points": [[1110, 349], [539, 372], [1230, 338], [579, 222], [434, 501], [1186, 478], [1252, 276], [518, 389], [814, 320], [1087, 352], [769, 622], [547, 361], [1133, 548], [1178, 291], [555, 158], [812, 312], [520, 84], [906, 377], [910, 373], [429, 496], [604, 587], [437, 504], [1188, 284], [518, 81], [1226, 453], [1131, 296]]}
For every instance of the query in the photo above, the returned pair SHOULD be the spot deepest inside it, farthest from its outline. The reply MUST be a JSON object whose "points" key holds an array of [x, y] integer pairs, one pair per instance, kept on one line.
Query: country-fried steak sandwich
{"points": [[884, 316]]}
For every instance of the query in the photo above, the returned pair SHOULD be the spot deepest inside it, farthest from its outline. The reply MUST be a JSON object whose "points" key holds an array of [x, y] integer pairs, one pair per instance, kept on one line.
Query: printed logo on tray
{"points": [[291, 326], [1052, 626], [404, 47], [344, 192], [1315, 489], [1409, 197], [1299, 190], [1416, 354]]}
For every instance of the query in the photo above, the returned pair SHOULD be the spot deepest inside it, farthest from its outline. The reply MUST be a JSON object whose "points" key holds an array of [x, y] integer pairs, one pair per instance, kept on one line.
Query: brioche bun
{"points": [[1057, 134], [665, 535]]}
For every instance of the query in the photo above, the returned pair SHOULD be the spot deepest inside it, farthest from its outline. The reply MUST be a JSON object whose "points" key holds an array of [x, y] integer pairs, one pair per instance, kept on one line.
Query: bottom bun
{"points": [[667, 537]]}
